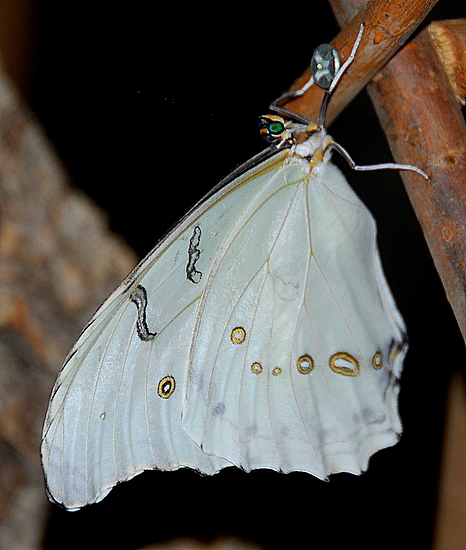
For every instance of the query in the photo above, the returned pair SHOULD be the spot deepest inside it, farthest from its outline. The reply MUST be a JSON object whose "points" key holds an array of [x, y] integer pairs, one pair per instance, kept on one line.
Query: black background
{"points": [[148, 110]]}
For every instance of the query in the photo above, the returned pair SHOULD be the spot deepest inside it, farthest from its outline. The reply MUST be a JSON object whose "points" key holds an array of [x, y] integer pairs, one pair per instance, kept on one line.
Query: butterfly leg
{"points": [[367, 168]]}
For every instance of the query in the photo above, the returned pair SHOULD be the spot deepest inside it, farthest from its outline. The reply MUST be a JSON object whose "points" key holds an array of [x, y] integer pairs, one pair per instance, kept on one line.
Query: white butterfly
{"points": [[260, 332]]}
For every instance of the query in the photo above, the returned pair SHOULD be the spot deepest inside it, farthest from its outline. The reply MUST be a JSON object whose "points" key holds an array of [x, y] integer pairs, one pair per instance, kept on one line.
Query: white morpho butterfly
{"points": [[259, 332]]}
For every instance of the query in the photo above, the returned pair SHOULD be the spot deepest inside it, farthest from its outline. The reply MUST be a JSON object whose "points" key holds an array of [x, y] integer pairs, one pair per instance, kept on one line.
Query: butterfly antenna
{"points": [[287, 113]]}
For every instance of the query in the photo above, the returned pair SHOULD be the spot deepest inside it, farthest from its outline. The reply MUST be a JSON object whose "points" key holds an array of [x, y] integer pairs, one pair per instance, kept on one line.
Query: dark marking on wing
{"points": [[139, 297], [193, 255]]}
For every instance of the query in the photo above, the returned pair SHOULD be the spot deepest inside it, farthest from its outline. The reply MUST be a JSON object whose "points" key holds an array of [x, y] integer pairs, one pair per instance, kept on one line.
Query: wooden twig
{"points": [[417, 104], [388, 24], [424, 126], [449, 38]]}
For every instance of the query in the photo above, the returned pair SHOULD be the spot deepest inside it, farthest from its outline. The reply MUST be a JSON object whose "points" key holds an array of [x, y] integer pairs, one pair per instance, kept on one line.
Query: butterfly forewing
{"points": [[117, 404]]}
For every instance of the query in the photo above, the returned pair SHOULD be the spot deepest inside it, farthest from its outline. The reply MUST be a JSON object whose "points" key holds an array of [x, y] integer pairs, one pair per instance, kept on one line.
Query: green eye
{"points": [[276, 128], [272, 129]]}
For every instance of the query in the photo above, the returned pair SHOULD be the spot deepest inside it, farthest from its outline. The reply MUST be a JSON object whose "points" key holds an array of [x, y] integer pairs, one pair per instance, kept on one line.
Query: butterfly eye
{"points": [[272, 128], [276, 128]]}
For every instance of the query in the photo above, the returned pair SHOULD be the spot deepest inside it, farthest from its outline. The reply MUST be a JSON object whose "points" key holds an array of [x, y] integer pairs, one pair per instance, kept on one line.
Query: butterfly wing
{"points": [[116, 406], [260, 332], [303, 371]]}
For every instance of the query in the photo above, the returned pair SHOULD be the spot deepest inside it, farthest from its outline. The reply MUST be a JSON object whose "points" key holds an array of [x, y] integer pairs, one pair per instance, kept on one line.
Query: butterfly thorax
{"points": [[309, 142]]}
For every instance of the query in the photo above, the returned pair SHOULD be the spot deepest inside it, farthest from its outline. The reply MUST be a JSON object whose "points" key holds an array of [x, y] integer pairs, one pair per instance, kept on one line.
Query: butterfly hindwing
{"points": [[296, 377]]}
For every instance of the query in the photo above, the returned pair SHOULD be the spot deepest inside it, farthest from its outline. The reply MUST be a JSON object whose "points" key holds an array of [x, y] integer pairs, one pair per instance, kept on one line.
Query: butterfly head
{"points": [[308, 141], [284, 133]]}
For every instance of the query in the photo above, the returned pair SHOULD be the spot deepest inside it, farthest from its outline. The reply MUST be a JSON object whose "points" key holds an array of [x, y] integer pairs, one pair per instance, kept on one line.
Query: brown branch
{"points": [[419, 111], [449, 38]]}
